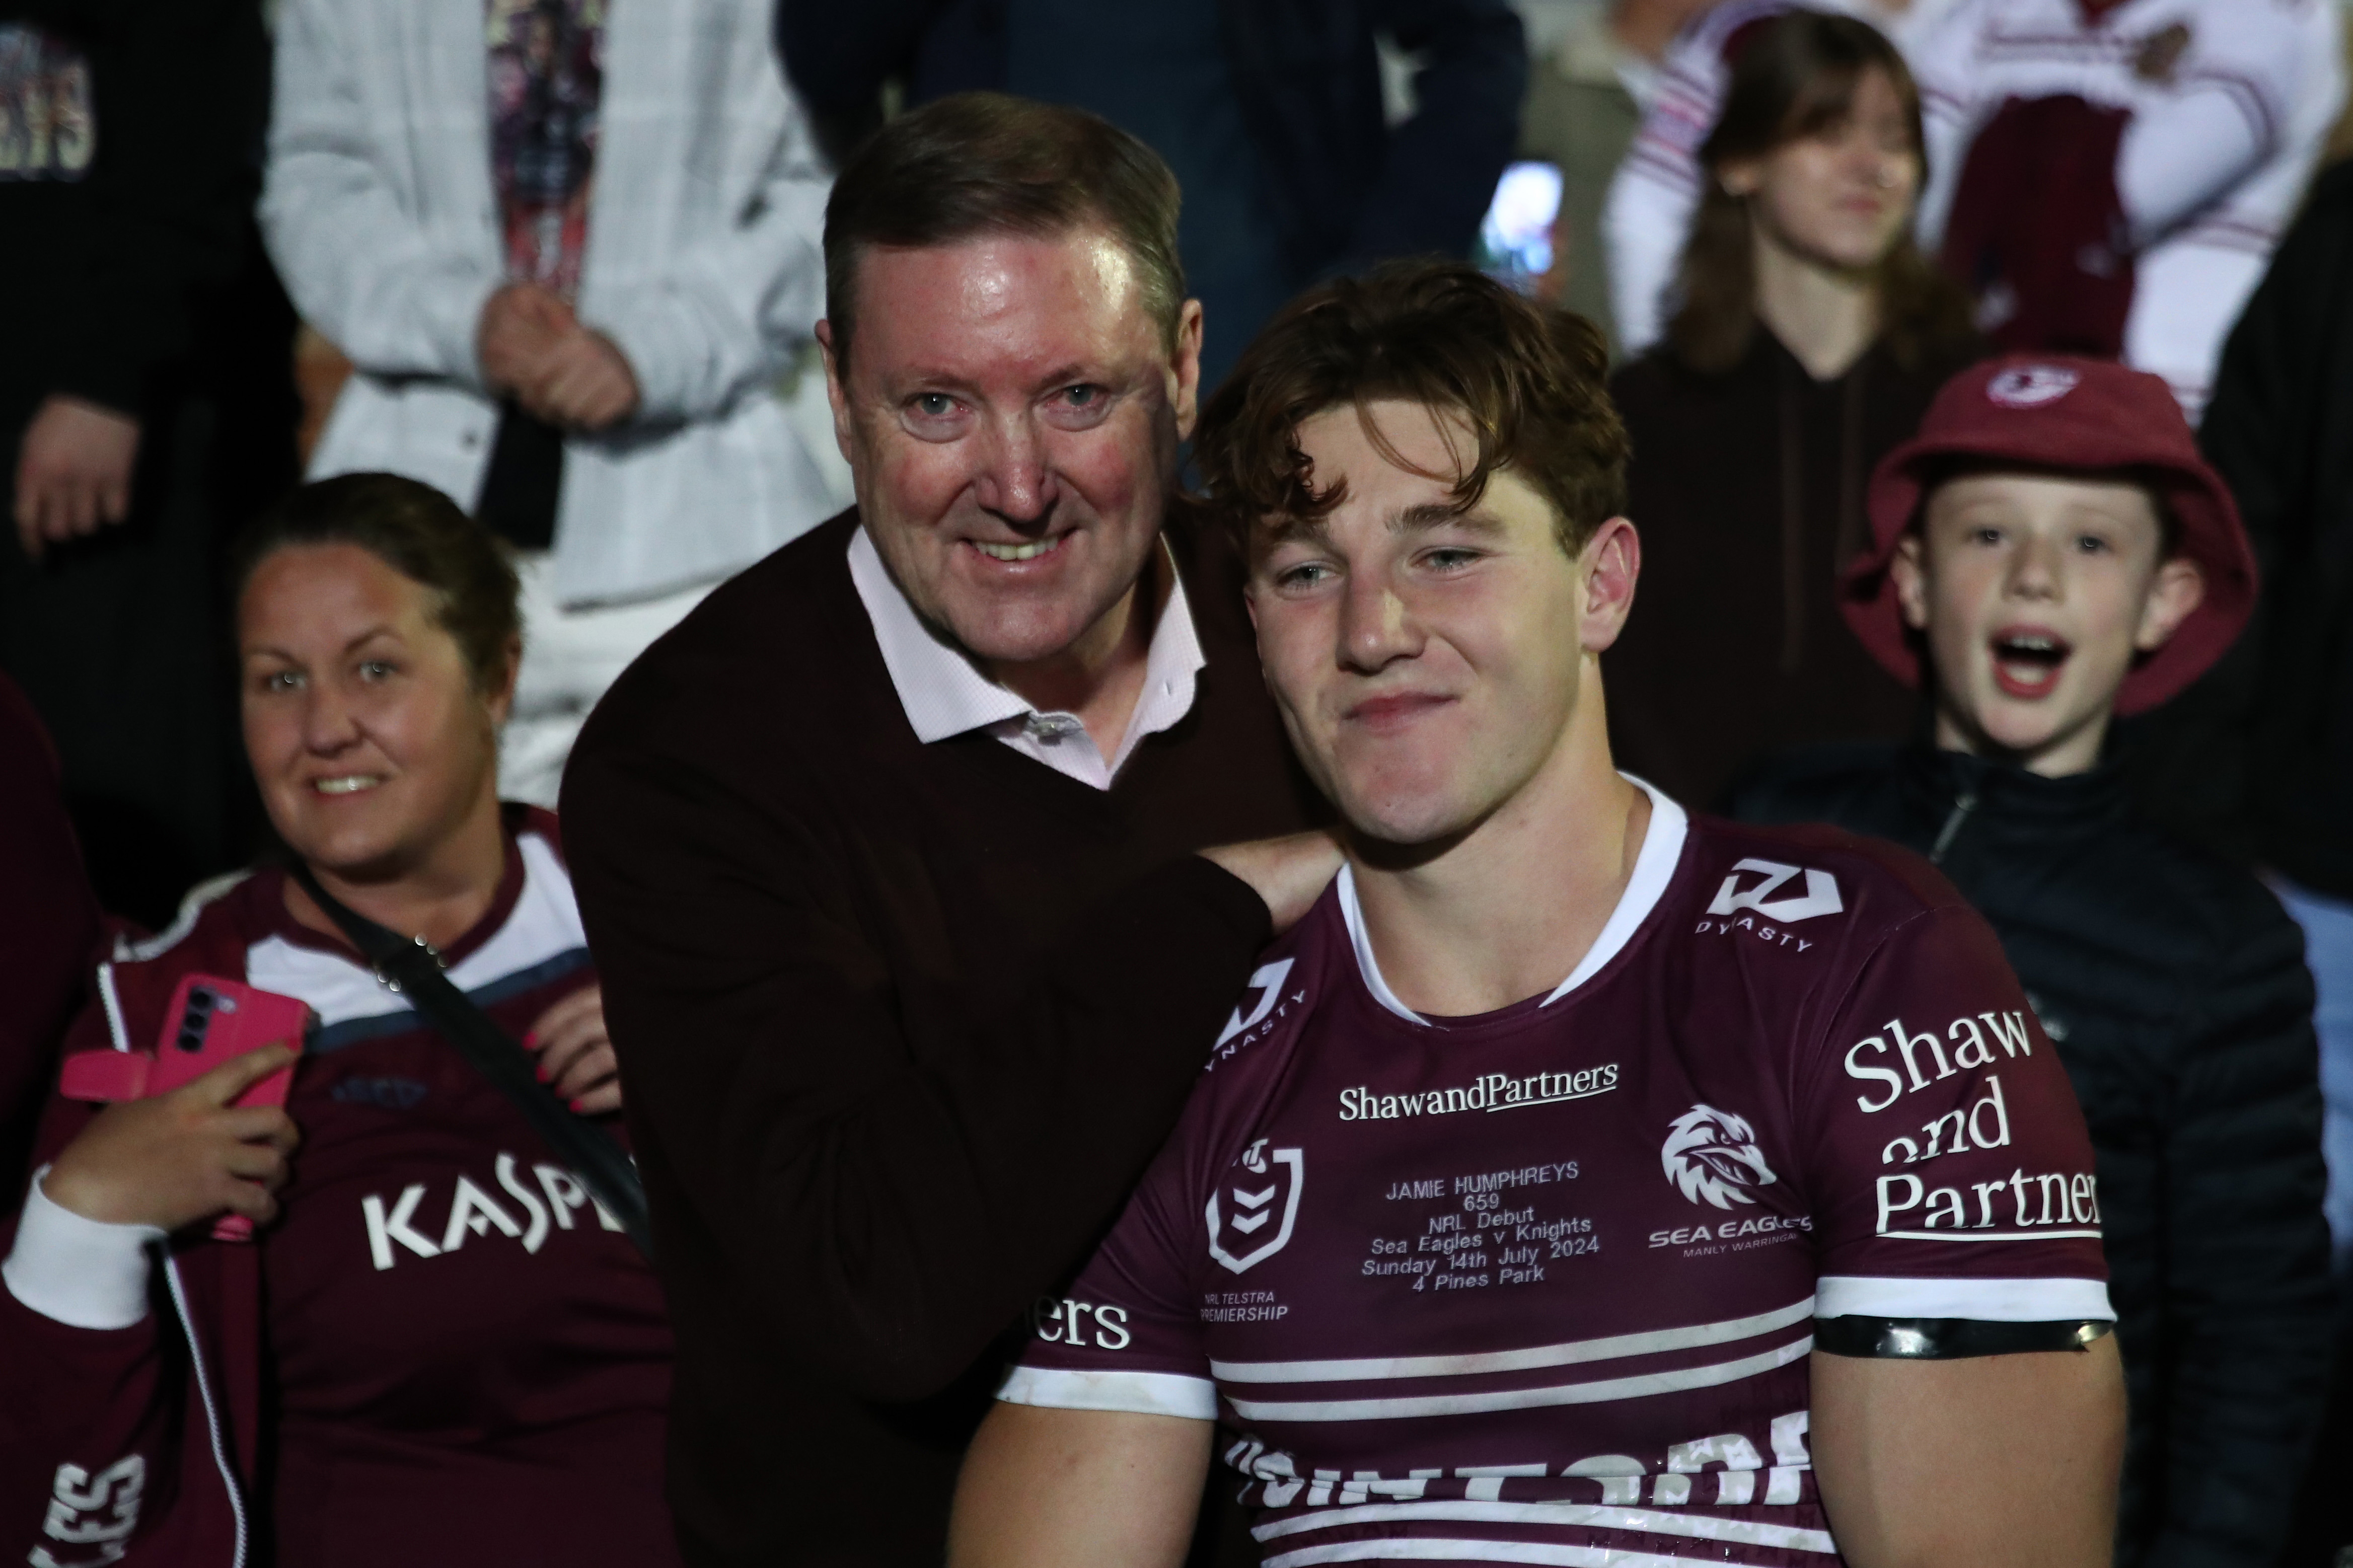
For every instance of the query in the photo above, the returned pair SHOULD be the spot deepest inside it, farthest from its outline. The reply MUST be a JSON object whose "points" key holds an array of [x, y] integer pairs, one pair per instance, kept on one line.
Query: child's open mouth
{"points": [[2026, 662]]}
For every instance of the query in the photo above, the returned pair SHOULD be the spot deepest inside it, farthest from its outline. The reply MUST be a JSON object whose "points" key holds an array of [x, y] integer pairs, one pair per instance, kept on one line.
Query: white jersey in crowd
{"points": [[2231, 99], [702, 266]]}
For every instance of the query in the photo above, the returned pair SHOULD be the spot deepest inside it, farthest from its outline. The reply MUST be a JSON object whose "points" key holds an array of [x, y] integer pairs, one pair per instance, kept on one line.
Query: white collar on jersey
{"points": [[1662, 846], [545, 924]]}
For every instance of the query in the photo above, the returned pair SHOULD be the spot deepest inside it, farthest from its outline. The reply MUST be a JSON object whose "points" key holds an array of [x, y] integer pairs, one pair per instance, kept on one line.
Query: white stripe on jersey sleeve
{"points": [[1568, 1354], [1424, 1549], [1559, 1515], [1980, 1301], [1137, 1393]]}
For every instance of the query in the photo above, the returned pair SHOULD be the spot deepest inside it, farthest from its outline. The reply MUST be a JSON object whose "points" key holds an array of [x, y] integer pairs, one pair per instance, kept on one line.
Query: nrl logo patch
{"points": [[1711, 1157], [1263, 1187]]}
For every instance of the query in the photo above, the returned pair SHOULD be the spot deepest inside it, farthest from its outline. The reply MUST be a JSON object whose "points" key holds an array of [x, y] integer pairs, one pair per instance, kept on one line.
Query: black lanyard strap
{"points": [[414, 969]]}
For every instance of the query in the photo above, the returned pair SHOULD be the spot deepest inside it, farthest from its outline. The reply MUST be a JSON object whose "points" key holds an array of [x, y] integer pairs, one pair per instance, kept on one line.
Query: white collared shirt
{"points": [[946, 694]]}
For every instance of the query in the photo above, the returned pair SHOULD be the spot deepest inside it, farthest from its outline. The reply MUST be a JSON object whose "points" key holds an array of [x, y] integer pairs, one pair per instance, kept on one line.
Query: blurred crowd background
{"points": [[560, 260]]}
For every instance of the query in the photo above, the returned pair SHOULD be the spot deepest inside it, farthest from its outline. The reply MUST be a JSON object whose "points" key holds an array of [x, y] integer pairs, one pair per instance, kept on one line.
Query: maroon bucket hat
{"points": [[2052, 411]]}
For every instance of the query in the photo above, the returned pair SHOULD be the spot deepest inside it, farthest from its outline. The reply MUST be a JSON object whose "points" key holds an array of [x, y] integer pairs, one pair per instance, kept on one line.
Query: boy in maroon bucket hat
{"points": [[2096, 460], [2049, 551]]}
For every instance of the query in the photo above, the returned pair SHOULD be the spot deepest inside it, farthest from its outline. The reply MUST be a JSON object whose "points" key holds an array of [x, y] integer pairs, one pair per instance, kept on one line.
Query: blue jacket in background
{"points": [[1347, 189]]}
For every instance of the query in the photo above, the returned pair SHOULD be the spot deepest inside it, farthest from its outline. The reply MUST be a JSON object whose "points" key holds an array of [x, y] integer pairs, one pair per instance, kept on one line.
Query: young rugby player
{"points": [[2050, 551], [1581, 1182]]}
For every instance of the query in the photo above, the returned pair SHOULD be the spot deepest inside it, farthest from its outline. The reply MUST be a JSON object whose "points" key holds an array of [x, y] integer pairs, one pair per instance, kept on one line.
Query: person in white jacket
{"points": [[2226, 107], [2228, 104], [582, 238]]}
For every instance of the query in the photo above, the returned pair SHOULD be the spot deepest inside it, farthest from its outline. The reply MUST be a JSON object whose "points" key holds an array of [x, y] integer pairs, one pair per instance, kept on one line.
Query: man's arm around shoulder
{"points": [[890, 1178]]}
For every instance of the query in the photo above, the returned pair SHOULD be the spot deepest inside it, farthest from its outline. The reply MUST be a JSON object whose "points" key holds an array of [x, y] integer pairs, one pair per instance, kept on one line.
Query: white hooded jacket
{"points": [[703, 265]]}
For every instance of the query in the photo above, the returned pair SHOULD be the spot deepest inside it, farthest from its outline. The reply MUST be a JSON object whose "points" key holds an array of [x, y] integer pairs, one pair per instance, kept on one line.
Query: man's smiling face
{"points": [[1011, 415], [1426, 662]]}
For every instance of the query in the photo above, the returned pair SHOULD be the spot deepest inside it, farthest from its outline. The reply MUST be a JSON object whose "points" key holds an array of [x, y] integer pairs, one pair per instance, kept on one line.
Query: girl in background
{"points": [[1807, 339]]}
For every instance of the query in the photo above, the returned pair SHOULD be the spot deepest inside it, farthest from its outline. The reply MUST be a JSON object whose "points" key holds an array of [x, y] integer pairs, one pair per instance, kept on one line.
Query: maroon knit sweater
{"points": [[902, 1023]]}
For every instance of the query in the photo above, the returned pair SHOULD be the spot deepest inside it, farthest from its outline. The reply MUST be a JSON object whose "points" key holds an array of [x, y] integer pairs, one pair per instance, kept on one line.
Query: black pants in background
{"points": [[118, 639], [122, 640]]}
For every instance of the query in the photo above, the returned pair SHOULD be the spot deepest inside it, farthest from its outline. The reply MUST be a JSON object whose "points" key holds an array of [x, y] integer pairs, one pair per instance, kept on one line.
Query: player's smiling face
{"points": [[1427, 663], [2036, 592]]}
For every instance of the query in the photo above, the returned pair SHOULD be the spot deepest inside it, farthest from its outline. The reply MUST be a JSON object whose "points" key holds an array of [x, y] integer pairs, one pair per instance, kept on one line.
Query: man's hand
{"points": [[584, 385], [74, 471], [2044, 1432], [1289, 873], [575, 1054], [533, 348], [522, 326], [182, 1157]]}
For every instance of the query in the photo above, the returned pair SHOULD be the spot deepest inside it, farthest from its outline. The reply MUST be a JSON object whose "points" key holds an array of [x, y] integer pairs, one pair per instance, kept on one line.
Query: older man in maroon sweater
{"points": [[886, 852]]}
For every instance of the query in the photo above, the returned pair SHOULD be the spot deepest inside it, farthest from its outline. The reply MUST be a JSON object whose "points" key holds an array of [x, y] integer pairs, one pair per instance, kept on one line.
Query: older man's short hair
{"points": [[987, 163], [1528, 383]]}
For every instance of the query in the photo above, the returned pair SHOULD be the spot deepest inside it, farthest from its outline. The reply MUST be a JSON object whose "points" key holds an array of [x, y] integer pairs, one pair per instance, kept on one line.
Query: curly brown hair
{"points": [[1528, 382]]}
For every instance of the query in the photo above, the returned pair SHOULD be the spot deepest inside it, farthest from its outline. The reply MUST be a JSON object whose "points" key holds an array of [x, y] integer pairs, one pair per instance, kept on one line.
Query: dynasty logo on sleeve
{"points": [[1820, 897]]}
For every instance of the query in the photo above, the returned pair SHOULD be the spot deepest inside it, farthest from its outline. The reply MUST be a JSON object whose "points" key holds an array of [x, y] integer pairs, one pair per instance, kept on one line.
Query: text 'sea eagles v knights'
{"points": [[1550, 1274]]}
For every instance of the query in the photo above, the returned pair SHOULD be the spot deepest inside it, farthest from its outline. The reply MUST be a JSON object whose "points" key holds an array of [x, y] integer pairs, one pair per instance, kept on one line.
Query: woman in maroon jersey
{"points": [[440, 1349]]}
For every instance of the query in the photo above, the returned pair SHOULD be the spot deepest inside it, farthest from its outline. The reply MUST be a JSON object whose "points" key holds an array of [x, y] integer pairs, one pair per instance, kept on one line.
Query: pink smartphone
{"points": [[211, 1021]]}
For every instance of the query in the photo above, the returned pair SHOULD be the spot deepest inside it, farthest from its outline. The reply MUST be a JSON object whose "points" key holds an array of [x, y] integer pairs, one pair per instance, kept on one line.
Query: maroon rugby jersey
{"points": [[441, 1352], [1539, 1286]]}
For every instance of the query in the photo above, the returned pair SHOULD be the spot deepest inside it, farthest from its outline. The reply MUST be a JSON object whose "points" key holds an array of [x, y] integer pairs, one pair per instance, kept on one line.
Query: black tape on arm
{"points": [[1950, 1339]]}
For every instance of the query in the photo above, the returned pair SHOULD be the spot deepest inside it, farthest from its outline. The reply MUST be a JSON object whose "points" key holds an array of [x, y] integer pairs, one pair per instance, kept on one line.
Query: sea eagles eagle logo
{"points": [[1264, 1185], [1711, 1157], [2030, 385]]}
